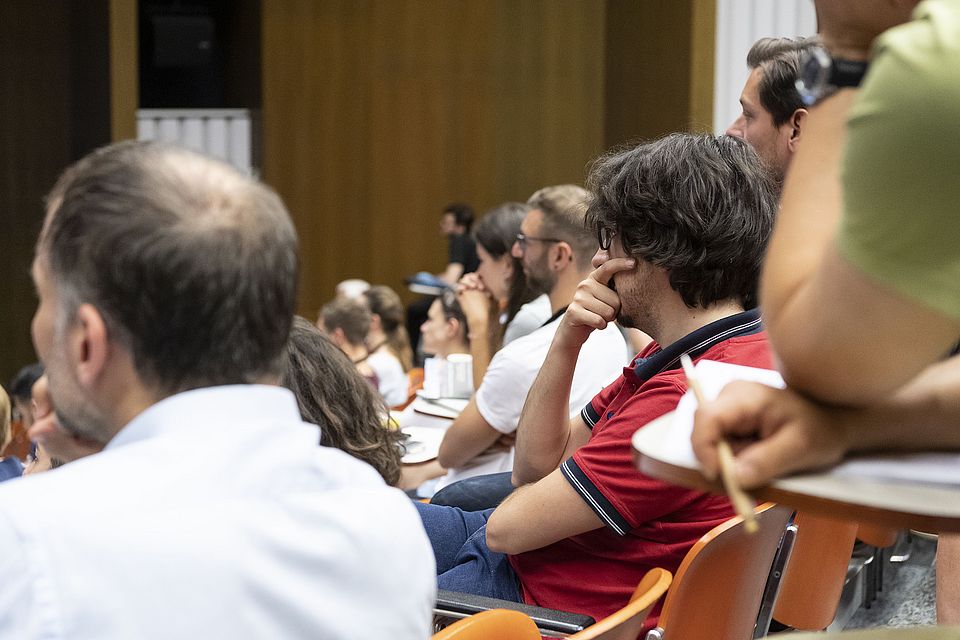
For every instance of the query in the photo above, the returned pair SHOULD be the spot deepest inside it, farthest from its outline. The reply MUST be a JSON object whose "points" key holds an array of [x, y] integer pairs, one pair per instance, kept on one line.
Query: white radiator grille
{"points": [[222, 133], [740, 23]]}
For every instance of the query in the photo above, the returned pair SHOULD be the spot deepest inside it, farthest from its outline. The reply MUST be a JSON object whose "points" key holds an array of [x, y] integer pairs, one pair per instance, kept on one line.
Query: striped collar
{"points": [[696, 343]]}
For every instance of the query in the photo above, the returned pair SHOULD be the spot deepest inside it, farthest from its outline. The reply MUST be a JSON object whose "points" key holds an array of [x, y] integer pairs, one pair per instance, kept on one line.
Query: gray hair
{"points": [[192, 265]]}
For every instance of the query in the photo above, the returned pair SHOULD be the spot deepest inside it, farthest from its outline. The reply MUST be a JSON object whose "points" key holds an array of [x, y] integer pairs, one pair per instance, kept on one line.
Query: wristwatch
{"points": [[821, 75]]}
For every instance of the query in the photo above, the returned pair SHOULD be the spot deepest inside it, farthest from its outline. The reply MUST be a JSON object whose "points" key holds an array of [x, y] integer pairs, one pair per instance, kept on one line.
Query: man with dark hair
{"points": [[555, 248], [773, 113], [682, 224], [455, 224], [166, 283]]}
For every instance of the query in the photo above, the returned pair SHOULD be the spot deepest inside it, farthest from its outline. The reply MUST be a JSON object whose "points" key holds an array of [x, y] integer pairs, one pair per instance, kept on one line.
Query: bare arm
{"points": [[452, 273], [798, 433], [546, 435], [468, 436], [539, 514], [480, 310], [815, 302]]}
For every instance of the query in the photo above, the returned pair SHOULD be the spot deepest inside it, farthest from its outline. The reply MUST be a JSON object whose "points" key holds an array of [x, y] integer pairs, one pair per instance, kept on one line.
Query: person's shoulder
{"points": [[383, 360], [923, 51], [935, 27], [610, 341], [520, 348], [528, 319], [752, 350]]}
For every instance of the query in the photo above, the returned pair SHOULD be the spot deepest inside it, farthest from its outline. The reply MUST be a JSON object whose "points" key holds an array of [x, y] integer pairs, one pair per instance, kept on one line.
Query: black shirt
{"points": [[463, 250]]}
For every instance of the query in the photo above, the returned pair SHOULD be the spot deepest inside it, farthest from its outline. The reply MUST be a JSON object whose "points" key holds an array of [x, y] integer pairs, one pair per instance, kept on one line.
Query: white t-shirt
{"points": [[213, 514], [529, 318], [511, 373], [392, 381]]}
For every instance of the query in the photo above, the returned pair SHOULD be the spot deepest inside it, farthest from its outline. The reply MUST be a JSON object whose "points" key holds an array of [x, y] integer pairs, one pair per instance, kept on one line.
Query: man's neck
{"points": [[681, 320], [355, 351], [462, 348], [562, 293]]}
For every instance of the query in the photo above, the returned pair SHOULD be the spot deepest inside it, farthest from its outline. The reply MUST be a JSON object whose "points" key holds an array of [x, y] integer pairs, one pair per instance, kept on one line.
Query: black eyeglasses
{"points": [[605, 237], [522, 240]]}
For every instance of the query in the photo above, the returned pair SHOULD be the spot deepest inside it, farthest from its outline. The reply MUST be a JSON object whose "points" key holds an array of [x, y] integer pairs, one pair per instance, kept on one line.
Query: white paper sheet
{"points": [[941, 469]]}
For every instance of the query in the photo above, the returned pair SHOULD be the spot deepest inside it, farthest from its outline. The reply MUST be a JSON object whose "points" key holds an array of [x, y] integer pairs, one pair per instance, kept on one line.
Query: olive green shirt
{"points": [[901, 170]]}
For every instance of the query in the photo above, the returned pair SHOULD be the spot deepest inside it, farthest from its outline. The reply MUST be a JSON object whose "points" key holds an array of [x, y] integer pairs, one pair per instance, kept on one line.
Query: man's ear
{"points": [[451, 328], [561, 255], [338, 336], [89, 344], [797, 121]]}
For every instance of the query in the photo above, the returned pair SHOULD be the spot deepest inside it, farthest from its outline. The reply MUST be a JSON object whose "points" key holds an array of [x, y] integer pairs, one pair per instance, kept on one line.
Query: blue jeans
{"points": [[476, 493], [464, 563]]}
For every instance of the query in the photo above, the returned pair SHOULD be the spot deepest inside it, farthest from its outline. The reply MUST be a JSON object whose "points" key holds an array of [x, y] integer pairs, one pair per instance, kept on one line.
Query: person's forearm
{"points": [[544, 427], [452, 273], [922, 416], [480, 347], [806, 226]]}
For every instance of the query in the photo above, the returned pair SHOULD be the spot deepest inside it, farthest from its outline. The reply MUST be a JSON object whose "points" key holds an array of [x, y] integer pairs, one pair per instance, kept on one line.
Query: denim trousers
{"points": [[476, 493], [464, 563]]}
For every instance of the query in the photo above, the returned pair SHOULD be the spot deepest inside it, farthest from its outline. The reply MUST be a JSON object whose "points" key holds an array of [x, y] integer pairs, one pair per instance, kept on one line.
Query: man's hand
{"points": [[46, 430], [784, 432], [594, 304]]}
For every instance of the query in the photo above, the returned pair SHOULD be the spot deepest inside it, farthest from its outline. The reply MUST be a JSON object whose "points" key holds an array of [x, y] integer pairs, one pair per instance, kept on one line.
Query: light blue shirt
{"points": [[213, 514]]}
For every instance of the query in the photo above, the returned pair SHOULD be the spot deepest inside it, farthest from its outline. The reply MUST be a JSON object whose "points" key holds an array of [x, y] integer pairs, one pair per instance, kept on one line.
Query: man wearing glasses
{"points": [[555, 248], [682, 224]]}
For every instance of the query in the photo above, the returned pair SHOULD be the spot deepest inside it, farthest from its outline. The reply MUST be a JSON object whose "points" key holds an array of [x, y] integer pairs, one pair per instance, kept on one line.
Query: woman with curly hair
{"points": [[332, 394]]}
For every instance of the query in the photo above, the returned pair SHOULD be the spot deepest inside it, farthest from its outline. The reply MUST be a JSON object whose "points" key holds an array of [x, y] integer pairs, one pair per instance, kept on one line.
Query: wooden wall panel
{"points": [[376, 114], [55, 106], [36, 131], [659, 68], [124, 88]]}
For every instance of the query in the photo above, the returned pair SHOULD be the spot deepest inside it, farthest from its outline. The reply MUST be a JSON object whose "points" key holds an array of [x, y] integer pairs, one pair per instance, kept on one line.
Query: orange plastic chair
{"points": [[719, 586], [815, 573], [877, 535], [879, 538], [414, 384], [495, 624], [626, 623]]}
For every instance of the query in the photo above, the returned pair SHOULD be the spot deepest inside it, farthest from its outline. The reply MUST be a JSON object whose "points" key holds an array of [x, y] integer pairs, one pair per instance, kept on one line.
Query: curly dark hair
{"points": [[701, 207], [333, 395]]}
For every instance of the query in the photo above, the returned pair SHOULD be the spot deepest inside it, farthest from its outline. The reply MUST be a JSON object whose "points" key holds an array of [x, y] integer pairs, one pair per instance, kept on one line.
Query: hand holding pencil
{"points": [[742, 503]]}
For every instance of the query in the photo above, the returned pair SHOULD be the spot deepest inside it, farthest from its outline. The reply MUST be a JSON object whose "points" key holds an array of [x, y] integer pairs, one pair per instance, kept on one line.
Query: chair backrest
{"points": [[414, 384], [495, 624], [626, 623], [877, 535], [718, 588], [814, 576]]}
